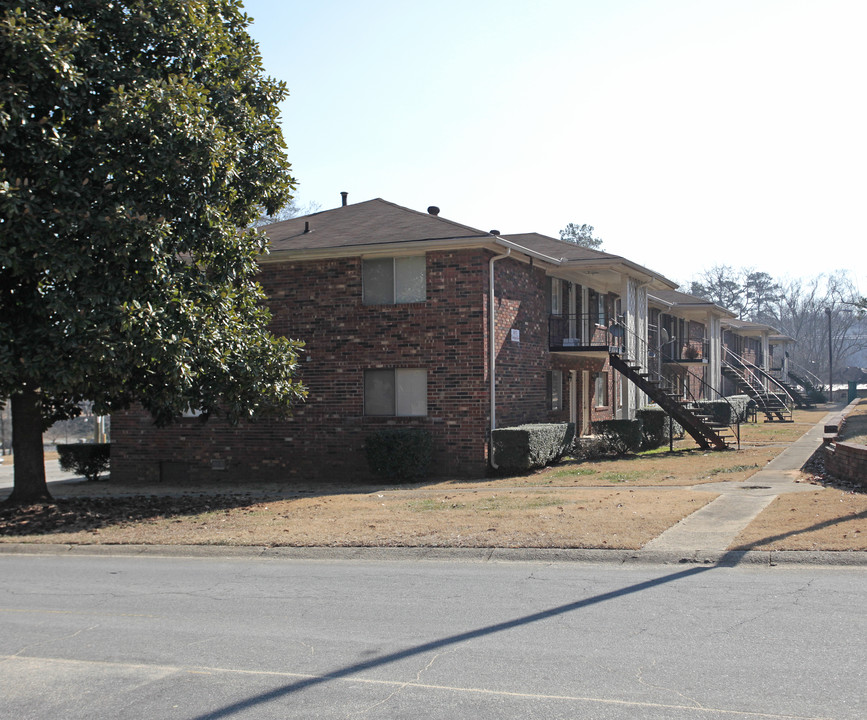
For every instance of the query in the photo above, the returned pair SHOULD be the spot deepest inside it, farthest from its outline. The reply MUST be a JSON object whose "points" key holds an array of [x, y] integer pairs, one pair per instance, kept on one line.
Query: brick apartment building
{"points": [[395, 307]]}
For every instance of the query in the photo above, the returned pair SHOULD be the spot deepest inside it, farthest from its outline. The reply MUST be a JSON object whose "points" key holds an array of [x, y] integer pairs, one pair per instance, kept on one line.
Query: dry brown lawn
{"points": [[618, 503], [827, 519], [391, 518], [854, 430]]}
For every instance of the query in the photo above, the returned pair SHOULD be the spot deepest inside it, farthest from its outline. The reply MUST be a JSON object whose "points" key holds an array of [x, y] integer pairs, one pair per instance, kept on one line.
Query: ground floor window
{"points": [[555, 390], [600, 390], [398, 392]]}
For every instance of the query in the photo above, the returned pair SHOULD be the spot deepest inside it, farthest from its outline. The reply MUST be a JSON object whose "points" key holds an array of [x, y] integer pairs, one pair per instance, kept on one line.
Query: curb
{"points": [[733, 558]]}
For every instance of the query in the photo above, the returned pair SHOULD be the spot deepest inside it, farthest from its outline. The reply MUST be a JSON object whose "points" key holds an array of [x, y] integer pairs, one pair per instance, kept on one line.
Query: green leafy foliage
{"points": [[581, 235], [655, 424], [529, 446], [734, 409], [399, 453], [88, 459], [138, 142], [619, 436]]}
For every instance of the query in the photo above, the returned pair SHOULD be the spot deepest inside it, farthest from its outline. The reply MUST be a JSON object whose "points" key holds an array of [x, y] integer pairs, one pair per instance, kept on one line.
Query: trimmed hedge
{"points": [[399, 453], [88, 459], [529, 446], [721, 410], [620, 436], [654, 427]]}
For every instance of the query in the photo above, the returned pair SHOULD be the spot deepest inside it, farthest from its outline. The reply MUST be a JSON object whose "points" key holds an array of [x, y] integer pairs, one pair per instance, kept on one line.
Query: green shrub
{"points": [[655, 425], [816, 396], [528, 446], [620, 436], [733, 409], [399, 453], [88, 459]]}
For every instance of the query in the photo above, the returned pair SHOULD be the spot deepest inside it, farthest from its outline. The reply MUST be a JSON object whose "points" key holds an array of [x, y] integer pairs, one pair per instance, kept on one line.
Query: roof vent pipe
{"points": [[433, 210], [344, 195], [494, 232], [306, 227]]}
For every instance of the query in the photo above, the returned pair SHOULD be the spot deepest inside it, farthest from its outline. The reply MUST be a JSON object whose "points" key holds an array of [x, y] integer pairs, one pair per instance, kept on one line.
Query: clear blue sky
{"points": [[688, 132]]}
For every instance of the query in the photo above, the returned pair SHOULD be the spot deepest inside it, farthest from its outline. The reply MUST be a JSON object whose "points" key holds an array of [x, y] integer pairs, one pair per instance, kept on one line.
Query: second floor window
{"points": [[393, 280], [556, 296]]}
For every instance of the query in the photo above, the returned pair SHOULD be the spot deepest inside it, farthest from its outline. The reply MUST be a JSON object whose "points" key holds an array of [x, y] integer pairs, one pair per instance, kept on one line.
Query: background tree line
{"points": [[807, 310]]}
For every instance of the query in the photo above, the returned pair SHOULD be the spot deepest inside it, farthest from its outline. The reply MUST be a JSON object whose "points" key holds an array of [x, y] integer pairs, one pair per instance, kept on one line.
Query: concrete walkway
{"points": [[715, 526]]}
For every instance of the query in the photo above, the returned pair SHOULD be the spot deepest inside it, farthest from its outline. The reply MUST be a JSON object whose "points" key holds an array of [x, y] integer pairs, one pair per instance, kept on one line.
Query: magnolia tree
{"points": [[139, 142]]}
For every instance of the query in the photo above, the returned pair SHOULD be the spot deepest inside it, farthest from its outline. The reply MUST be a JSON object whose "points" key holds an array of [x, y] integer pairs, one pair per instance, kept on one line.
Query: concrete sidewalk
{"points": [[715, 526]]}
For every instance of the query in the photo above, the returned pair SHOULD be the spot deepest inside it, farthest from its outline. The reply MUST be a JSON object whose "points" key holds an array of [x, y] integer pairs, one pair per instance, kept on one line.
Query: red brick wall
{"points": [[320, 302], [847, 461]]}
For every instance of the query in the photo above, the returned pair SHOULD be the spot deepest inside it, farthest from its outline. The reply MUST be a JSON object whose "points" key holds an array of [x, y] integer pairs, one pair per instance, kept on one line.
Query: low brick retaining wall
{"points": [[847, 461]]}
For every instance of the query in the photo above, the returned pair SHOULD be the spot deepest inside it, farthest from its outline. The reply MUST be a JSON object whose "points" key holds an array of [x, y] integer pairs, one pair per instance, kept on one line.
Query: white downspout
{"points": [[492, 347]]}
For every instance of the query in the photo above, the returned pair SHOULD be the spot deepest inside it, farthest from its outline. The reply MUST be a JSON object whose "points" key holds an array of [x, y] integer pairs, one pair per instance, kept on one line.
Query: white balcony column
{"points": [[714, 360], [633, 305]]}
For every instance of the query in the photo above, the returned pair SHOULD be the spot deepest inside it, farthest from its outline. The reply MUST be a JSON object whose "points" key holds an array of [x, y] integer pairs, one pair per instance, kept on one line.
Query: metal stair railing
{"points": [[685, 393], [808, 375], [751, 376]]}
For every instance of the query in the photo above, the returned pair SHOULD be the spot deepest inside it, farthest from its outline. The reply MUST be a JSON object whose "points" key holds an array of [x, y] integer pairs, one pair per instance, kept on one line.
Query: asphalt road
{"points": [[150, 637]]}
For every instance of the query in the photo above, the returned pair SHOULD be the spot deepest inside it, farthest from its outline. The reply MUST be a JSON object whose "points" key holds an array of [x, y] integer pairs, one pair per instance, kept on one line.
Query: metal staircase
{"points": [[810, 385], [708, 434], [752, 380]]}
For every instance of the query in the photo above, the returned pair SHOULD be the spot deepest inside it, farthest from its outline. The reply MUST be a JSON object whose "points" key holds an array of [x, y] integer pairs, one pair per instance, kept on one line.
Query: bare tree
{"points": [[293, 209], [811, 311]]}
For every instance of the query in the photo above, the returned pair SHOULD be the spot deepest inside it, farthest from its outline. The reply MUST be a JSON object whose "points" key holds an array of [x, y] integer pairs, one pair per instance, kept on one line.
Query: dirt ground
{"points": [[618, 503]]}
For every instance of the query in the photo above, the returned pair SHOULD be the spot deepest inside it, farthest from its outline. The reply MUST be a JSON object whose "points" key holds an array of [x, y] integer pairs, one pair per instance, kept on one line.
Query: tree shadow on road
{"points": [[451, 640]]}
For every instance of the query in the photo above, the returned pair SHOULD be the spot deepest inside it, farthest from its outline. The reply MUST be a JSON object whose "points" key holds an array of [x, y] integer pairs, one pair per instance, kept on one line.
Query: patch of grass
{"points": [[733, 469], [543, 501], [622, 476], [486, 504], [573, 472], [434, 505]]}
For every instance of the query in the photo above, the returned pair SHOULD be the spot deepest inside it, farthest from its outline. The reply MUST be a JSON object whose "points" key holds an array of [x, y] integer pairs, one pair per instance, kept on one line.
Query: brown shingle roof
{"points": [[373, 222]]}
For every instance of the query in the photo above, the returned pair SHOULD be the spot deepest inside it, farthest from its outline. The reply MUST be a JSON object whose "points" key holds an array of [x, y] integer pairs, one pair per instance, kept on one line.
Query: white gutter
{"points": [[492, 346]]}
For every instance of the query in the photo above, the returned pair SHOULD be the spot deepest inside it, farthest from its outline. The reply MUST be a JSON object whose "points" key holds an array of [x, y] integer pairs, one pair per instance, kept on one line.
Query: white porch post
{"points": [[714, 362], [633, 304]]}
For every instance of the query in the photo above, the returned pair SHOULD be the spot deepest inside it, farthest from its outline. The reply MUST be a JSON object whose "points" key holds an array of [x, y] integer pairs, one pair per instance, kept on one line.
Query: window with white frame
{"points": [[555, 389], [400, 392], [393, 280], [556, 296], [600, 390]]}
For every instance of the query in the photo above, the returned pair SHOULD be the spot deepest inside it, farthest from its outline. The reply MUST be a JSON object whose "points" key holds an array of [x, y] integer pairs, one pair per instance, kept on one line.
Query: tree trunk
{"points": [[29, 459]]}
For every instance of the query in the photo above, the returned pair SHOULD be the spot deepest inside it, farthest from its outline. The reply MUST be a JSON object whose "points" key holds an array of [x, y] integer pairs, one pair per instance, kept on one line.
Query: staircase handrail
{"points": [[758, 372], [687, 390], [811, 376]]}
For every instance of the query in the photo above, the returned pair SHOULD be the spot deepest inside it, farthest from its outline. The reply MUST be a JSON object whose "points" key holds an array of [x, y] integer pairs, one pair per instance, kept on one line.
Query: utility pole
{"points": [[830, 358]]}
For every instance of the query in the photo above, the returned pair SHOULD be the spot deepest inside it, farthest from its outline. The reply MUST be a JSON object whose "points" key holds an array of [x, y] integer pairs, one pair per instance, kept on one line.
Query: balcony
{"points": [[685, 353], [583, 334]]}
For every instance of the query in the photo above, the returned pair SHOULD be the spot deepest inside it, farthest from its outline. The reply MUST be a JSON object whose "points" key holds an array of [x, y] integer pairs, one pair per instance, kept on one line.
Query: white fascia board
{"points": [[410, 247]]}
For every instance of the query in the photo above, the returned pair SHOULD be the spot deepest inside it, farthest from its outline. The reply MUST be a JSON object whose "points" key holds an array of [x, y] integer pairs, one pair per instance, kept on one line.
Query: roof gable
{"points": [[373, 222]]}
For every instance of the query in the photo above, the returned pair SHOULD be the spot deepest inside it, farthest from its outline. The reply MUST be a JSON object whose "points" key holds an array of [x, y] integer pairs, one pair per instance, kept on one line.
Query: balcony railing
{"points": [[582, 332], [689, 351]]}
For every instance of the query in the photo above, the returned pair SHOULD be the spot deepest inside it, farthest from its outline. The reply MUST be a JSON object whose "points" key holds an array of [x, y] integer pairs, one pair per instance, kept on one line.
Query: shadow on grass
{"points": [[759, 544]]}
